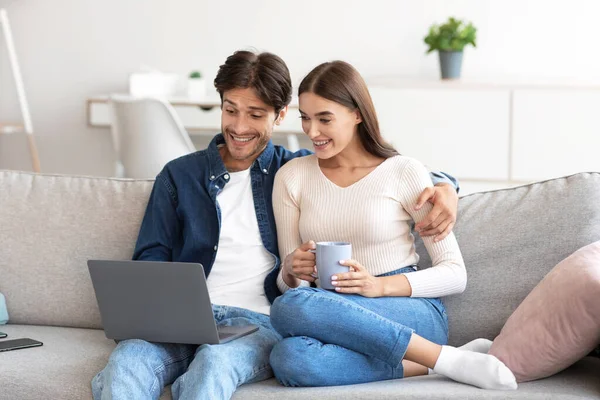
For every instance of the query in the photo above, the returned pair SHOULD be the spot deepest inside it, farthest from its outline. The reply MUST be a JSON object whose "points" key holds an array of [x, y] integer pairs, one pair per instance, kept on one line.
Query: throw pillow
{"points": [[558, 323]]}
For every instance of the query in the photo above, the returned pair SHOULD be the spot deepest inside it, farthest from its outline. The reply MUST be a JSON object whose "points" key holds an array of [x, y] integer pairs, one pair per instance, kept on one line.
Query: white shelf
{"points": [[199, 117], [403, 82]]}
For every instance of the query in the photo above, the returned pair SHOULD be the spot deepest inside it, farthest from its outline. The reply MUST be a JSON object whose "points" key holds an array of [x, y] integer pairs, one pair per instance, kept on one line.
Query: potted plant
{"points": [[449, 40], [196, 85]]}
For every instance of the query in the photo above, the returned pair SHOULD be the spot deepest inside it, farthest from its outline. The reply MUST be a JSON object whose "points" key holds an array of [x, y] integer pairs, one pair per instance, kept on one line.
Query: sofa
{"points": [[51, 225]]}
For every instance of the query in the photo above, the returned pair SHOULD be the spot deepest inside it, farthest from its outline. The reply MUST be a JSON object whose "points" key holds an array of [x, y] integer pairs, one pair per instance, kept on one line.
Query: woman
{"points": [[384, 320]]}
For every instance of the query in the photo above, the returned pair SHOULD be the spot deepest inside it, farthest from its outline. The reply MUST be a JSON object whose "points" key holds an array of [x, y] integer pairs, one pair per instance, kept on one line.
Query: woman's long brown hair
{"points": [[340, 82]]}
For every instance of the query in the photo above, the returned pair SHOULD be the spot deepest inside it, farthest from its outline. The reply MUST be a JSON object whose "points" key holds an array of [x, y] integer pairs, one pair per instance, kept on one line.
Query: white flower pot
{"points": [[196, 88]]}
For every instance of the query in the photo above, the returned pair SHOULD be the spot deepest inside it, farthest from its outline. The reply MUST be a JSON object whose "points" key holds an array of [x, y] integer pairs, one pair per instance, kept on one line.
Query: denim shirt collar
{"points": [[217, 167]]}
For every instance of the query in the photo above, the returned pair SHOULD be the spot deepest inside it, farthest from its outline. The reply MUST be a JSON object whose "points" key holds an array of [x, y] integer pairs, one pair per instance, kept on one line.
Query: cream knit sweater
{"points": [[375, 214]]}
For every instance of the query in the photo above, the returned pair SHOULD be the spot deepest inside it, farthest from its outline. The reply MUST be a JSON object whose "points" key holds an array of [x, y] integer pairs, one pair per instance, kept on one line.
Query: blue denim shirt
{"points": [[183, 220]]}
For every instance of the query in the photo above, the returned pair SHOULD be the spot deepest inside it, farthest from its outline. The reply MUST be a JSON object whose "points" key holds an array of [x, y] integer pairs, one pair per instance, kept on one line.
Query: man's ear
{"points": [[281, 115]]}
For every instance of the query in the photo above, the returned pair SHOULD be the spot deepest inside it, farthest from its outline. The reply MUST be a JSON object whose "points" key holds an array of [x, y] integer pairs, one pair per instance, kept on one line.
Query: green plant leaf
{"points": [[453, 35]]}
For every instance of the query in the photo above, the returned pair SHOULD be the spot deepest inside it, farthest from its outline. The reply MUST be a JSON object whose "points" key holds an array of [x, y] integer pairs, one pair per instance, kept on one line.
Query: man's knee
{"points": [[131, 350], [218, 358]]}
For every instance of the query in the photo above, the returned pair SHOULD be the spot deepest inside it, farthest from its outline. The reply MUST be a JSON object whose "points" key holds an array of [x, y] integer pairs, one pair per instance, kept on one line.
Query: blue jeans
{"points": [[140, 370], [340, 339]]}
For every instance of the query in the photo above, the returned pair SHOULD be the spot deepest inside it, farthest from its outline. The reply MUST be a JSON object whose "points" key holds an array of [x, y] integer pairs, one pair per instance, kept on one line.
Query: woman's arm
{"points": [[448, 274], [287, 218]]}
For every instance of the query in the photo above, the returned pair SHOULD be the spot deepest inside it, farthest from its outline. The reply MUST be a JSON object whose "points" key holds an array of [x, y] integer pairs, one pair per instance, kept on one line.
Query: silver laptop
{"points": [[165, 302]]}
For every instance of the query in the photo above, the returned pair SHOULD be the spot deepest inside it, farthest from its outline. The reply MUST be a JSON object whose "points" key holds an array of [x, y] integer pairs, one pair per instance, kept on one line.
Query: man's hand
{"points": [[442, 217], [300, 265]]}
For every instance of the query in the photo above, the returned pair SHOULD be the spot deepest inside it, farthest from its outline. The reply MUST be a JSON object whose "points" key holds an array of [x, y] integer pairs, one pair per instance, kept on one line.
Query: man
{"points": [[214, 207]]}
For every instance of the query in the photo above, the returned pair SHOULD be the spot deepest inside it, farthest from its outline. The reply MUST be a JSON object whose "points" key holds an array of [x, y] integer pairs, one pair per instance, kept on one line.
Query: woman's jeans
{"points": [[342, 339], [139, 370]]}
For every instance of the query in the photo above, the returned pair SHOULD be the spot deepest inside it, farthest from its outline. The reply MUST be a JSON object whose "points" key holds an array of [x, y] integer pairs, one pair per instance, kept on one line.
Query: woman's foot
{"points": [[480, 345], [481, 370]]}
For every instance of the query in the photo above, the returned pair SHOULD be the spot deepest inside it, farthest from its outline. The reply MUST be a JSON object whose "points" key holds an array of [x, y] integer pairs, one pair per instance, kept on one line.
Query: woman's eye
{"points": [[304, 117], [325, 121]]}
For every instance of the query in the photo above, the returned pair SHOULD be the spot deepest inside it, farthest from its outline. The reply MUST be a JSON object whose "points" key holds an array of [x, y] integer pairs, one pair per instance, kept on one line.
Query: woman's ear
{"points": [[358, 116]]}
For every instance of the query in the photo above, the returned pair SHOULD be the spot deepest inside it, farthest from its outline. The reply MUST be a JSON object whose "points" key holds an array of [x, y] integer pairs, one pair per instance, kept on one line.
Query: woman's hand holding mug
{"points": [[357, 281], [301, 264]]}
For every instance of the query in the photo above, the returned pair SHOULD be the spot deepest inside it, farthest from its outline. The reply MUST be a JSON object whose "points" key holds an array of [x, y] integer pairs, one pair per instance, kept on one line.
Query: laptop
{"points": [[165, 302]]}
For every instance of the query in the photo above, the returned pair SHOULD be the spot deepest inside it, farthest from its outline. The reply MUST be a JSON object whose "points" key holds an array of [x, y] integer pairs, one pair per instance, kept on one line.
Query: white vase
{"points": [[196, 88]]}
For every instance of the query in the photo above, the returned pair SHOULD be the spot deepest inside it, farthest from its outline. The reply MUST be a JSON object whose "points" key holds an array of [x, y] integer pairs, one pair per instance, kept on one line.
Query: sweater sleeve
{"points": [[287, 218], [448, 274]]}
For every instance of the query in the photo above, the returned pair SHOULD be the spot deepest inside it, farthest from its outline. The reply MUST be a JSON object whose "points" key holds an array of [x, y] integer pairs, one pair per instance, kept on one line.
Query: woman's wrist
{"points": [[290, 280], [396, 286], [288, 277]]}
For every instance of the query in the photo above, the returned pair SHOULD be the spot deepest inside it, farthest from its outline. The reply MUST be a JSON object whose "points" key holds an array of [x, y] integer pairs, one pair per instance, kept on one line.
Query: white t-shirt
{"points": [[242, 263]]}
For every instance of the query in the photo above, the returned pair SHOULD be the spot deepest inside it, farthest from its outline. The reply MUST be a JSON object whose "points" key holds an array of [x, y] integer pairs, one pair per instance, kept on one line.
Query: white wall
{"points": [[72, 49]]}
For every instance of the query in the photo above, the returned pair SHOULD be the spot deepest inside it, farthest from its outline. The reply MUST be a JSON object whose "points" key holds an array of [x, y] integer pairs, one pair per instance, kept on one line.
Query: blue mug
{"points": [[328, 257]]}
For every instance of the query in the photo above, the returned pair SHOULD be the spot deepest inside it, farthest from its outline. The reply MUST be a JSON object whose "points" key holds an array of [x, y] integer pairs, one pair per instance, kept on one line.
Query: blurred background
{"points": [[525, 107]]}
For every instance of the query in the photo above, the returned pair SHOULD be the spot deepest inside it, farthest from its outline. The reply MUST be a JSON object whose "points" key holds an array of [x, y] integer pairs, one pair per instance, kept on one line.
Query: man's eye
{"points": [[230, 111], [257, 116], [304, 117]]}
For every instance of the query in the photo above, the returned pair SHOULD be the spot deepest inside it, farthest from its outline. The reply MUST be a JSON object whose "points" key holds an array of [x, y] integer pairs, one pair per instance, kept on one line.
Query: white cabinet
{"points": [[488, 135], [556, 133], [493, 135], [463, 132]]}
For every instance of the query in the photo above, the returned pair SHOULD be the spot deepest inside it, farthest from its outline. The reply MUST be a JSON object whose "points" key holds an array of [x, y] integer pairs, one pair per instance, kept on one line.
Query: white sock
{"points": [[480, 345], [481, 370]]}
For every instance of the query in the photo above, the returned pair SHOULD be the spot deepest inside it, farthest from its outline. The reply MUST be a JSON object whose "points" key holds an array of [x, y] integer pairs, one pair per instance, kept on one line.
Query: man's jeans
{"points": [[341, 339], [139, 370]]}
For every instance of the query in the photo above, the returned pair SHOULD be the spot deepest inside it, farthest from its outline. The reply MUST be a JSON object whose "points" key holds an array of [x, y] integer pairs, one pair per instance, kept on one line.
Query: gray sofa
{"points": [[50, 225]]}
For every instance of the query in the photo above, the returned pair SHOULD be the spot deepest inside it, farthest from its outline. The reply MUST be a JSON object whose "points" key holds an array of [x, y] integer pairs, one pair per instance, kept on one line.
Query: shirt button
{"points": [[226, 176], [265, 170], [215, 248], [212, 177], [217, 186]]}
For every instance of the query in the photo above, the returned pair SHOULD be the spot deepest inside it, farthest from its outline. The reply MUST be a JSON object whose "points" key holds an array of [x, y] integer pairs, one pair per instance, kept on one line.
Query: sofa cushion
{"points": [[559, 321], [575, 383], [510, 239], [65, 365], [49, 227], [60, 369]]}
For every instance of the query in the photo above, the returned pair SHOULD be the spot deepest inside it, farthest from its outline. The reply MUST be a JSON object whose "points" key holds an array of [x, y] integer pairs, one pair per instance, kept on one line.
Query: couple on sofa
{"points": [[220, 206]]}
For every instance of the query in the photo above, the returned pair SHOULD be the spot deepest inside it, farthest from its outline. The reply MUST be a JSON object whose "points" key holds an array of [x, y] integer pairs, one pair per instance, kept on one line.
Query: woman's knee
{"points": [[284, 308], [294, 361], [295, 307]]}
